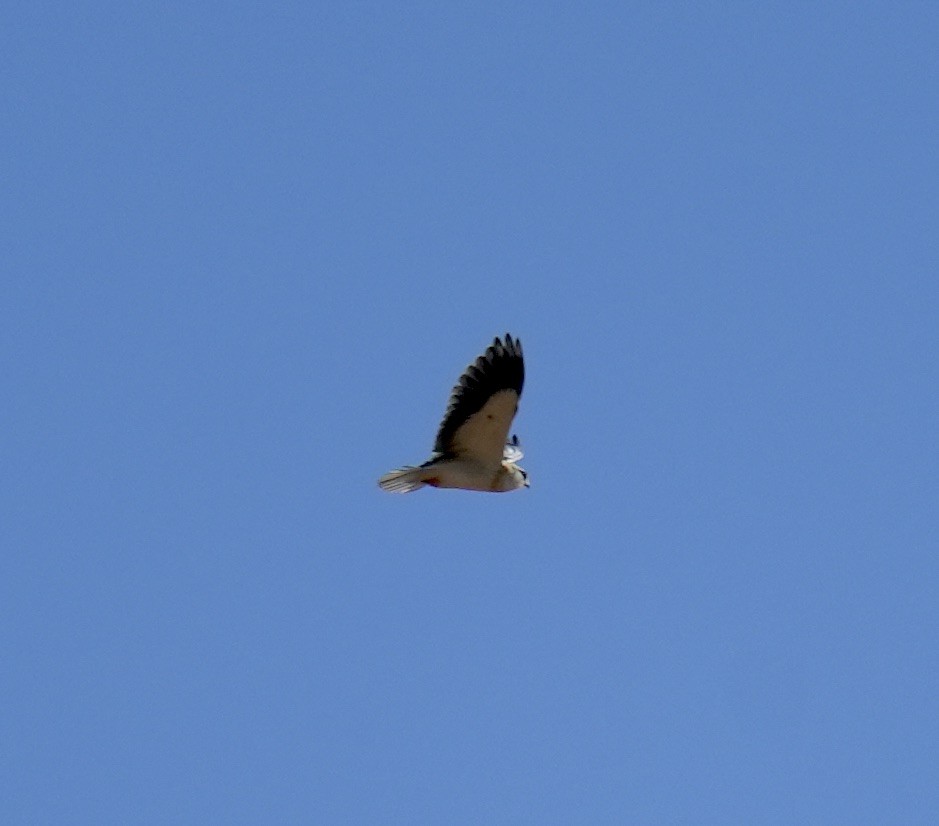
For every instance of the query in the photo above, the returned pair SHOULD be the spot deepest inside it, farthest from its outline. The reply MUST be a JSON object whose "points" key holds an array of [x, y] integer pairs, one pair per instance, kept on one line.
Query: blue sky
{"points": [[247, 251]]}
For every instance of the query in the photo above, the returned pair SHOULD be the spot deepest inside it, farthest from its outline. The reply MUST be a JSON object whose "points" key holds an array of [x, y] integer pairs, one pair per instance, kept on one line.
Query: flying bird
{"points": [[471, 451]]}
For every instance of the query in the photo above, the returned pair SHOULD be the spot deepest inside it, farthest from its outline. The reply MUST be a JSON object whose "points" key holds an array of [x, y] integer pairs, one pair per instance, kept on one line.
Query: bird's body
{"points": [[455, 473], [471, 451]]}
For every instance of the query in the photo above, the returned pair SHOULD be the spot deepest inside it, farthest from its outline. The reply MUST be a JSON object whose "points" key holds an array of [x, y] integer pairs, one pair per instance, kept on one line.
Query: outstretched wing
{"points": [[512, 452], [483, 404]]}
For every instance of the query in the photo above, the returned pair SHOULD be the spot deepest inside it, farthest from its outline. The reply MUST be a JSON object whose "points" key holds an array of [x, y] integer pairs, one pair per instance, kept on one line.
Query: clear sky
{"points": [[246, 252]]}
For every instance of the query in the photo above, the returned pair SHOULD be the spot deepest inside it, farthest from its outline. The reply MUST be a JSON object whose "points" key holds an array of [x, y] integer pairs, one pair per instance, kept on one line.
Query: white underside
{"points": [[463, 474]]}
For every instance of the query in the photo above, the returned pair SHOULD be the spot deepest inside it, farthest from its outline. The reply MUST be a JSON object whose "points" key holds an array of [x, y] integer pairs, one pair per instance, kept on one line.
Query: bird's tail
{"points": [[402, 480]]}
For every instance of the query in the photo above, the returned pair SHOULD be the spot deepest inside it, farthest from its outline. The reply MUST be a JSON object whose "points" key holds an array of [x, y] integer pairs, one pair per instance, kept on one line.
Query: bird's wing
{"points": [[483, 404], [512, 452]]}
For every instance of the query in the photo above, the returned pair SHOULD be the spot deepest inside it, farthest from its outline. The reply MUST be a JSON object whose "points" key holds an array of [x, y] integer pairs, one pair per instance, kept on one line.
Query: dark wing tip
{"points": [[512, 345]]}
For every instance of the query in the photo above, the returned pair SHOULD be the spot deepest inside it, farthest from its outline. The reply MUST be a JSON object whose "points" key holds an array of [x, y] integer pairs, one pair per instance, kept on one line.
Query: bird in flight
{"points": [[471, 451]]}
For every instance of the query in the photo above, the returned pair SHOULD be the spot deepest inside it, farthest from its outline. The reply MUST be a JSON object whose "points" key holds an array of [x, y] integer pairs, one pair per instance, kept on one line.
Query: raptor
{"points": [[472, 450]]}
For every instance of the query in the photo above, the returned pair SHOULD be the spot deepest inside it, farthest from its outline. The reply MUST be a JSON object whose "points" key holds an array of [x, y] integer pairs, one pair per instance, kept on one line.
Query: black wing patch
{"points": [[501, 367]]}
